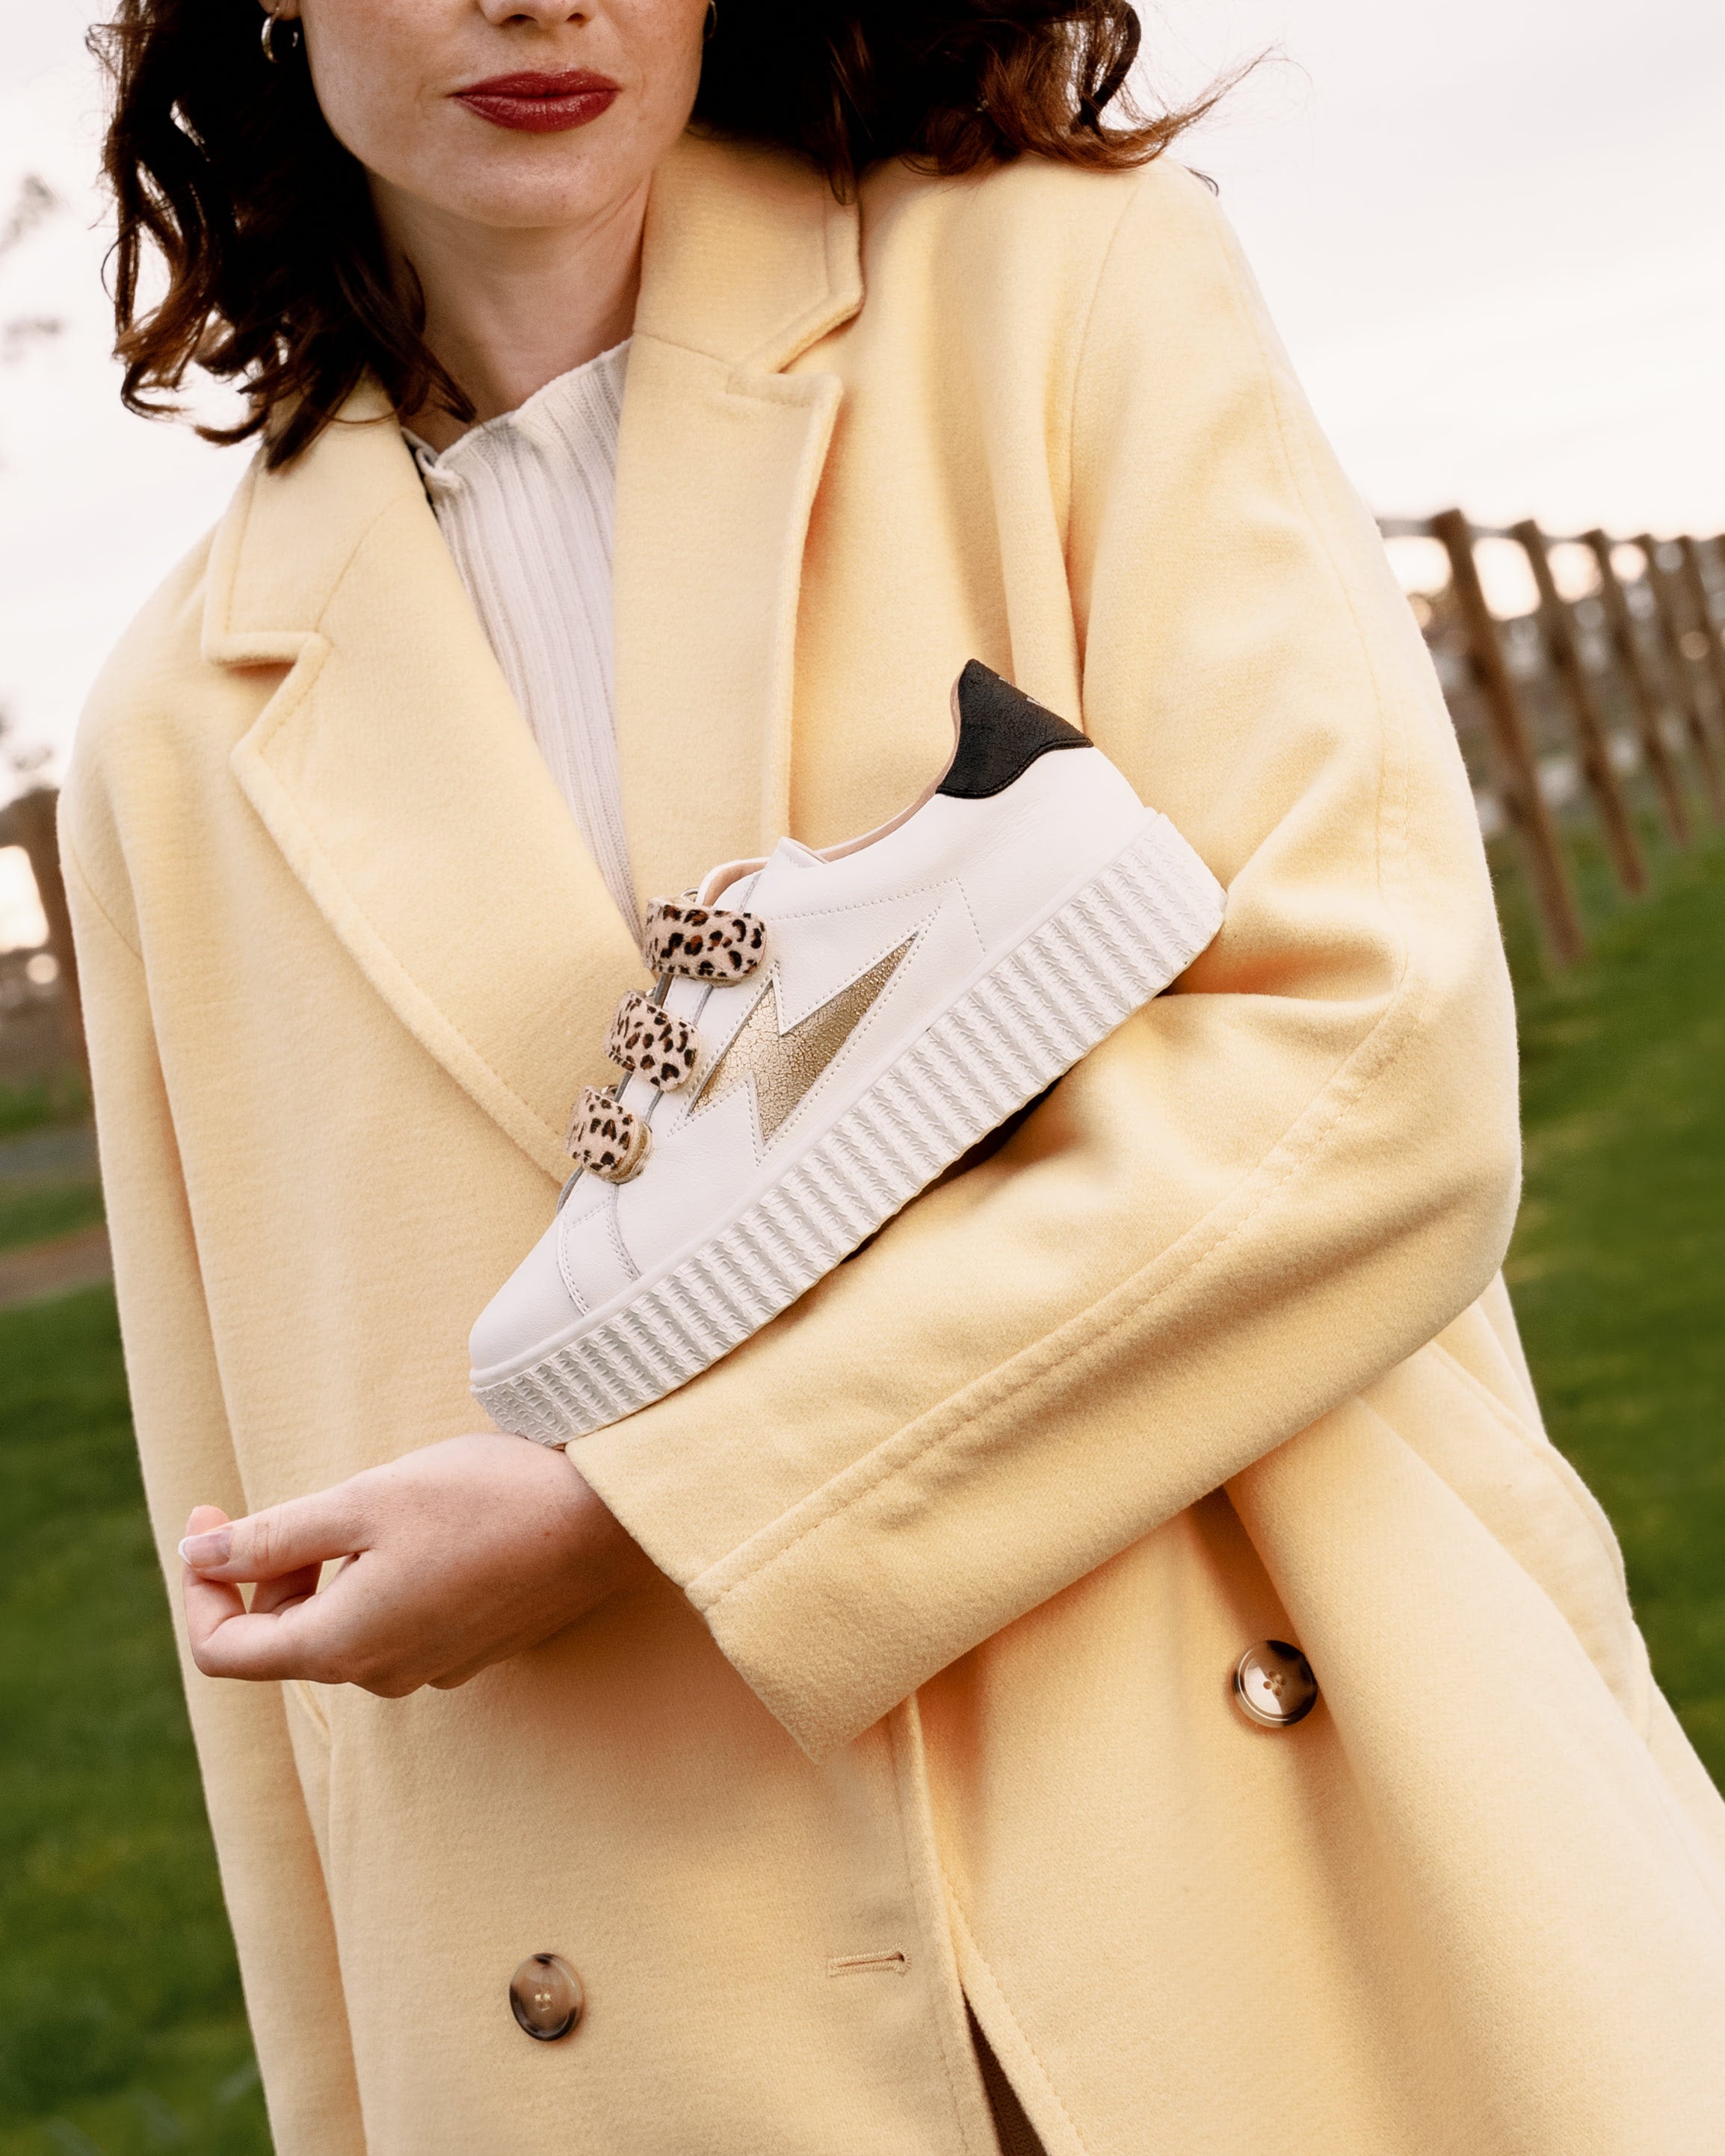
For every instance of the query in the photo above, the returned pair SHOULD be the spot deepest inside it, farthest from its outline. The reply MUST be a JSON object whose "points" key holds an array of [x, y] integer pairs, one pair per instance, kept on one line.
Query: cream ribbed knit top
{"points": [[526, 503]]}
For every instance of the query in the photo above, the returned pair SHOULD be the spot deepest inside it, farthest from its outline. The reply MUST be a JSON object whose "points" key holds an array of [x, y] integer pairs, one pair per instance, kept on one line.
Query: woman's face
{"points": [[536, 114]]}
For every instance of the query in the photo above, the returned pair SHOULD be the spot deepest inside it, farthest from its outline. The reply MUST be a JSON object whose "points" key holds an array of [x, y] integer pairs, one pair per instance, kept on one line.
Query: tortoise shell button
{"points": [[545, 1996], [1273, 1685]]}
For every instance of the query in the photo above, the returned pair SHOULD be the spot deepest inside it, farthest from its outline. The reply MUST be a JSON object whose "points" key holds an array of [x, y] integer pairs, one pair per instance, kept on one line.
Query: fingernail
{"points": [[203, 1552]]}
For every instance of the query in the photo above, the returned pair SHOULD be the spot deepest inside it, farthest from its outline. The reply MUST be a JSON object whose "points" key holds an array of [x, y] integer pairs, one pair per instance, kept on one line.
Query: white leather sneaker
{"points": [[830, 1032]]}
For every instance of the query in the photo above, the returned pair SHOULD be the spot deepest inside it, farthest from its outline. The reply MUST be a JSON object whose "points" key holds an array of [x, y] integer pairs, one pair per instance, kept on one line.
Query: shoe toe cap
{"points": [[528, 1312]]}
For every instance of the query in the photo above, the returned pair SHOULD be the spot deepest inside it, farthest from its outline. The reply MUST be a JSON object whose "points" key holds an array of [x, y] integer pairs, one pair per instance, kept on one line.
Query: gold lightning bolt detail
{"points": [[784, 1065]]}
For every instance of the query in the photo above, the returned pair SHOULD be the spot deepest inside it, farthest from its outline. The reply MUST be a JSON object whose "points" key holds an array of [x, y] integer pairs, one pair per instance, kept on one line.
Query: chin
{"points": [[525, 193]]}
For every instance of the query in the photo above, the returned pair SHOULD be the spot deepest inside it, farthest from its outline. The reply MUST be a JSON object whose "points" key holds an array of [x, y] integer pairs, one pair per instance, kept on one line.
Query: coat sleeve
{"points": [[271, 1875], [1263, 1191]]}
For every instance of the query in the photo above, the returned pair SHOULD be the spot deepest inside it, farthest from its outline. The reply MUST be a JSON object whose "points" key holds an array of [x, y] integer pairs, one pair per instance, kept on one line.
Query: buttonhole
{"points": [[868, 1964]]}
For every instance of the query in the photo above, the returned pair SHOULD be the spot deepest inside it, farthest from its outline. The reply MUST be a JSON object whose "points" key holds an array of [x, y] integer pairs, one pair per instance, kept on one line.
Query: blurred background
{"points": [[1492, 237]]}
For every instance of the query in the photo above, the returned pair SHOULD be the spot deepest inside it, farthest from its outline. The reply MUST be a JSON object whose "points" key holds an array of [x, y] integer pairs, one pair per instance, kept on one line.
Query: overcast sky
{"points": [[1489, 231]]}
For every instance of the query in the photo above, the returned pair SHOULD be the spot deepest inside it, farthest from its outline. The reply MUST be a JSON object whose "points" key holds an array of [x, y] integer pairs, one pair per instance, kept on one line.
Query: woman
{"points": [[853, 1727]]}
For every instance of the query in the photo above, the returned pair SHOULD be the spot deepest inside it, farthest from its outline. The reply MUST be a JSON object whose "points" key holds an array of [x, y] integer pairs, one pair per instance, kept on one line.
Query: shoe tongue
{"points": [[791, 854], [729, 884]]}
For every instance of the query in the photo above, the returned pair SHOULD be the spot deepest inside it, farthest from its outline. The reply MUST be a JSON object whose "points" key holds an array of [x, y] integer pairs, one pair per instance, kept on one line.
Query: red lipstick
{"points": [[540, 103]]}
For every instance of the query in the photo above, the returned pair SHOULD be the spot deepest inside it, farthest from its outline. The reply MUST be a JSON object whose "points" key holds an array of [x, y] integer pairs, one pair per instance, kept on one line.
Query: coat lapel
{"points": [[749, 260], [403, 789], [391, 766]]}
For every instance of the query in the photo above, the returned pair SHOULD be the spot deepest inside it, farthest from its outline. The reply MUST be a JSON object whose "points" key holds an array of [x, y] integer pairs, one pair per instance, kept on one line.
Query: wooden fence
{"points": [[1589, 702], [29, 821], [1589, 707]]}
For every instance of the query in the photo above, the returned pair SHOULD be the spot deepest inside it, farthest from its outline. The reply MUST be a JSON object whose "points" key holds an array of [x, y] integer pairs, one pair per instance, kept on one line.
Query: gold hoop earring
{"points": [[271, 24], [712, 22]]}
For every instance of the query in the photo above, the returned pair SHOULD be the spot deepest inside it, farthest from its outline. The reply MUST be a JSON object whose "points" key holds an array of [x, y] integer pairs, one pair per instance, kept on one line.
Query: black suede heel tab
{"points": [[1001, 733]]}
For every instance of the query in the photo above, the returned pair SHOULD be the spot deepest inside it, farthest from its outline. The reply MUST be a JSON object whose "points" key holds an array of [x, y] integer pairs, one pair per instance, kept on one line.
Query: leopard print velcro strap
{"points": [[651, 1042], [608, 1140], [702, 943]]}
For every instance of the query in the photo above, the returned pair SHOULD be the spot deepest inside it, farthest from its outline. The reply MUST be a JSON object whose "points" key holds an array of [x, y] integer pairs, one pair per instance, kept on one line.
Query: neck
{"points": [[508, 310]]}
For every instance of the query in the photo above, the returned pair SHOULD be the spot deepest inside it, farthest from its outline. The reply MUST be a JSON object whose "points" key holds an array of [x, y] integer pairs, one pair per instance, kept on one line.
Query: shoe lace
{"points": [[682, 940]]}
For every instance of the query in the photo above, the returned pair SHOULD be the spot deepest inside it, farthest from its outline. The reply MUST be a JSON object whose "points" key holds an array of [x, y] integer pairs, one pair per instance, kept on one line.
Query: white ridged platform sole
{"points": [[1102, 955]]}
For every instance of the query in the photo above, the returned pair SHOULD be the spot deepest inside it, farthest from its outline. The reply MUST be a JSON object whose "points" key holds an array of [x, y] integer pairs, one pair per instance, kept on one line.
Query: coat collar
{"points": [[391, 766]]}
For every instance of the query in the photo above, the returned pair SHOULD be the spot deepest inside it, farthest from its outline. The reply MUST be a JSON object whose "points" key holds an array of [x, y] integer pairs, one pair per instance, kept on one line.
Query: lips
{"points": [[536, 103]]}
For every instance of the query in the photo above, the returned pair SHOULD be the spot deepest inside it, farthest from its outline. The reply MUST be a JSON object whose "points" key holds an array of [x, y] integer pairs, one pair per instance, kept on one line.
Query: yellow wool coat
{"points": [[933, 1703]]}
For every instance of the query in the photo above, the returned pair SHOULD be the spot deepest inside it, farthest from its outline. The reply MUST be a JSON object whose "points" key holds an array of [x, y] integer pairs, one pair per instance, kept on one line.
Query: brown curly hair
{"points": [[276, 274]]}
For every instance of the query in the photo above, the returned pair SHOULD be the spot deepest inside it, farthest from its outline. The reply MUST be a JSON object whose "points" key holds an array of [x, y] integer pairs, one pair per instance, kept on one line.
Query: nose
{"points": [[547, 14]]}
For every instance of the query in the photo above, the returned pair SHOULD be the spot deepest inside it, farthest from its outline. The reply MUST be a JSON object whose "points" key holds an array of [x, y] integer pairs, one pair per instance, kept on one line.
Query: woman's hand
{"points": [[456, 1557]]}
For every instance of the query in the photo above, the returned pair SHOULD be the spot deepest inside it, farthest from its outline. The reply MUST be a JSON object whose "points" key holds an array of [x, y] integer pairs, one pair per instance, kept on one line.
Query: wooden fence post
{"points": [[1553, 898], [1701, 599], [29, 821], [1682, 676], [1649, 712], [1564, 647]]}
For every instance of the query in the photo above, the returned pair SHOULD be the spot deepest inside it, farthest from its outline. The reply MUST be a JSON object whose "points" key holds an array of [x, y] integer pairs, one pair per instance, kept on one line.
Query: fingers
{"points": [[226, 1640], [208, 1603], [285, 1538], [229, 1642], [453, 1679], [313, 1637], [271, 1595]]}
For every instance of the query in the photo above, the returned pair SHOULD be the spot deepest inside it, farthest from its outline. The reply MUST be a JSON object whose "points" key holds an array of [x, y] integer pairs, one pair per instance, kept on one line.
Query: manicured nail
{"points": [[205, 1552]]}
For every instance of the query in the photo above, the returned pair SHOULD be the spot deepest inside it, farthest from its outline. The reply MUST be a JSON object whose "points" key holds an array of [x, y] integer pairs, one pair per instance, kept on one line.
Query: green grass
{"points": [[121, 2029], [28, 1104], [1618, 1268], [38, 1209]]}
